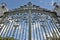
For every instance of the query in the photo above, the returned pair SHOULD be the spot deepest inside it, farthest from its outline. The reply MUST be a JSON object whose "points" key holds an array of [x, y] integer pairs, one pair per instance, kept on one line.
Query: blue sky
{"points": [[11, 4]]}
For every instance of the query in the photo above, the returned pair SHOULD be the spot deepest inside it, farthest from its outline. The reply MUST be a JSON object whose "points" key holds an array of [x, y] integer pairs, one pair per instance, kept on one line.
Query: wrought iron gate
{"points": [[30, 24]]}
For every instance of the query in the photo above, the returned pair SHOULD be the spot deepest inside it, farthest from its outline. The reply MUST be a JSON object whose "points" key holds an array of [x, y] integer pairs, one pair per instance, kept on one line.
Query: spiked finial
{"points": [[56, 4], [3, 4], [29, 3]]}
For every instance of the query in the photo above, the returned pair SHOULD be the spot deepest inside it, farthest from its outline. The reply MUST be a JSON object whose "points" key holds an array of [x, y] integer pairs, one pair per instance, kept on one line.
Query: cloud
{"points": [[52, 2]]}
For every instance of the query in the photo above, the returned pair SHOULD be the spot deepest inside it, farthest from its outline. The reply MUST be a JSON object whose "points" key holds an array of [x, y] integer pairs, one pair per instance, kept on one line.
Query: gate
{"points": [[29, 22]]}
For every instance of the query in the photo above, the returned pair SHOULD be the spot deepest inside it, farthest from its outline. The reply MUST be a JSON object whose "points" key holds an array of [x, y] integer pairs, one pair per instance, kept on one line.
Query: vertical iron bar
{"points": [[20, 31], [39, 30], [55, 27], [33, 31], [29, 24], [47, 27], [5, 30], [11, 29], [2, 29]]}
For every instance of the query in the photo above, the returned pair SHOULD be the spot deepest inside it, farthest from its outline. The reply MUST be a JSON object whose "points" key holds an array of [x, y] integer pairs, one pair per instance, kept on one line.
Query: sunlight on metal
{"points": [[22, 25], [42, 27]]}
